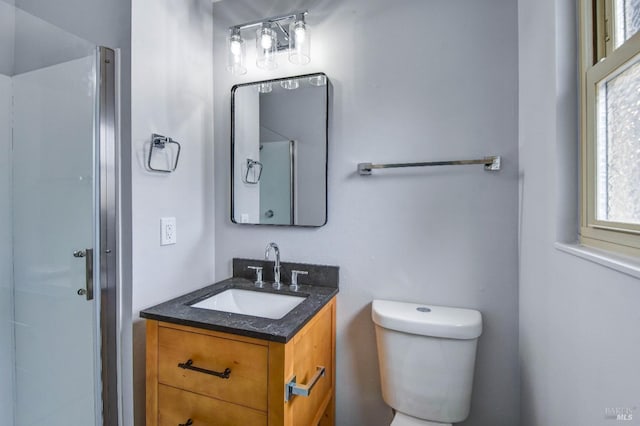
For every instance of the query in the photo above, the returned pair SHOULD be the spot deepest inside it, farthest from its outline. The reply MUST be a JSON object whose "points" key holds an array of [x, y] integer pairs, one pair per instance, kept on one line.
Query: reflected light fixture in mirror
{"points": [[287, 33], [265, 87], [318, 80], [235, 52], [292, 84]]}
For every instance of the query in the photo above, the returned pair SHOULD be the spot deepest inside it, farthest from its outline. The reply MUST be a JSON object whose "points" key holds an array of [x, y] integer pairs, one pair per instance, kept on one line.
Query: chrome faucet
{"points": [[276, 267]]}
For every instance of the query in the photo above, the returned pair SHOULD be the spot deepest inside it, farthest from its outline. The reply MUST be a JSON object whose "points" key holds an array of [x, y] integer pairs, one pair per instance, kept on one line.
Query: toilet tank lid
{"points": [[427, 320]]}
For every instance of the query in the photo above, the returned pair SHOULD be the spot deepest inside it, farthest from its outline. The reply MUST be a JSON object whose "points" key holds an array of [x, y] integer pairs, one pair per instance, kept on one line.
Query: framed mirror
{"points": [[279, 144]]}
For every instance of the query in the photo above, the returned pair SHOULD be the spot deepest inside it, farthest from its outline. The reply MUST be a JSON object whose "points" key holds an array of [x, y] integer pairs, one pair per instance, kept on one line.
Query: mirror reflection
{"points": [[279, 151]]}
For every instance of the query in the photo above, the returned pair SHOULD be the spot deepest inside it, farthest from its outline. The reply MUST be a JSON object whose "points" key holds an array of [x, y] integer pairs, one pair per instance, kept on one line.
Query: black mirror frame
{"points": [[326, 144]]}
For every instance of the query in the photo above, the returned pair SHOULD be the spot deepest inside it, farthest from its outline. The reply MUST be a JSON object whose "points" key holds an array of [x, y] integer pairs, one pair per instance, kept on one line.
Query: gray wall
{"points": [[38, 44], [442, 236], [172, 95], [578, 320], [7, 36]]}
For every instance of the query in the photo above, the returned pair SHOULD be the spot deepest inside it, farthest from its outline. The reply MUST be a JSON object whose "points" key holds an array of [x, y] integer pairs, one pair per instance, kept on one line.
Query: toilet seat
{"points": [[401, 419]]}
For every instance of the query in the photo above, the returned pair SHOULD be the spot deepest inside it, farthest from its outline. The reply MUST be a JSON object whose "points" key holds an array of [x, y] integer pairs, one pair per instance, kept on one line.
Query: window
{"points": [[610, 124]]}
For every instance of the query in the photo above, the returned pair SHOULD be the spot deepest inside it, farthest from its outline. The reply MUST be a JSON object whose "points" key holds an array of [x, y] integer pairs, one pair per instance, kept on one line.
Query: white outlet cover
{"points": [[168, 231]]}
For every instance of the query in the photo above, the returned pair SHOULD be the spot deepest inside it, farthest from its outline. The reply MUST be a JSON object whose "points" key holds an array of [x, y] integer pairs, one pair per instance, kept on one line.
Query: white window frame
{"points": [[598, 60]]}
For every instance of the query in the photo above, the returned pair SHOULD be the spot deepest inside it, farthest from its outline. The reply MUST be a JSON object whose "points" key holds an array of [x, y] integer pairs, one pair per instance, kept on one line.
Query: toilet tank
{"points": [[426, 356]]}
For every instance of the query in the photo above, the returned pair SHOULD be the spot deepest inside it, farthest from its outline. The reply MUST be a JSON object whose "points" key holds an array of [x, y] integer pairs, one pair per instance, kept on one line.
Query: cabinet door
{"points": [[313, 347]]}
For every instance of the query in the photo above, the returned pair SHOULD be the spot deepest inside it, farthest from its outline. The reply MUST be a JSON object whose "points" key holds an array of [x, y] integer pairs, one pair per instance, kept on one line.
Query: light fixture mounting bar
{"points": [[283, 30], [273, 19]]}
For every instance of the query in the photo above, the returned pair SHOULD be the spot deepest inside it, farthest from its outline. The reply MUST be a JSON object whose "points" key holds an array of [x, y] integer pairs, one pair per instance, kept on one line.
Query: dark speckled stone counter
{"points": [[179, 311]]}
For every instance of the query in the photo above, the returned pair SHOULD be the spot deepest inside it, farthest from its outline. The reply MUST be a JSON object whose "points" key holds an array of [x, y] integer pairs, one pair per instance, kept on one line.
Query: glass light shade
{"points": [[266, 48], [299, 43], [290, 84], [235, 53], [265, 87], [318, 80]]}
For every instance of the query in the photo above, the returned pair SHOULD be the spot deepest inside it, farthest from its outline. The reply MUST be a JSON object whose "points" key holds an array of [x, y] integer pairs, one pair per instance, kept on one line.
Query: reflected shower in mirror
{"points": [[279, 151]]}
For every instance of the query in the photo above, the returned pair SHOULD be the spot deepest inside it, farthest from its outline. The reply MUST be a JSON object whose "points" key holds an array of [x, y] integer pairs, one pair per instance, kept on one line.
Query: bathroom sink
{"points": [[254, 303]]}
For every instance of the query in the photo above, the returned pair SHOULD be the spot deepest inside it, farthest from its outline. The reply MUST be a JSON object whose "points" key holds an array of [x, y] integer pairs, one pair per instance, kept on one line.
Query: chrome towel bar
{"points": [[292, 388], [491, 164]]}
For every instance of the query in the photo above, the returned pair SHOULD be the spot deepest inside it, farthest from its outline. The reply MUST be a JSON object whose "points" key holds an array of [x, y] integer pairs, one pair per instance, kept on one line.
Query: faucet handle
{"points": [[294, 279], [258, 269]]}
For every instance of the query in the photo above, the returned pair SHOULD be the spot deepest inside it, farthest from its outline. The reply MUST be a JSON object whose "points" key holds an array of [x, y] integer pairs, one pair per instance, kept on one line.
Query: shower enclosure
{"points": [[58, 234]]}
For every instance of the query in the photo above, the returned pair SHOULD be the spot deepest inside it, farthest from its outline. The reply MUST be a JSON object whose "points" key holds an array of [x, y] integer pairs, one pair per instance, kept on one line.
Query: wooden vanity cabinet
{"points": [[186, 382]]}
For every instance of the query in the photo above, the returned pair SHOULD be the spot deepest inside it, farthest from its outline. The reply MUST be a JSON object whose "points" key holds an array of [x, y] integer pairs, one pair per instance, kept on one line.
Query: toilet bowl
{"points": [[401, 419], [426, 356]]}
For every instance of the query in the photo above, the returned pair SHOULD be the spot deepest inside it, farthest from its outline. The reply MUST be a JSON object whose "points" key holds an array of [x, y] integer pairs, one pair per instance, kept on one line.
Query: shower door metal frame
{"points": [[106, 173]]}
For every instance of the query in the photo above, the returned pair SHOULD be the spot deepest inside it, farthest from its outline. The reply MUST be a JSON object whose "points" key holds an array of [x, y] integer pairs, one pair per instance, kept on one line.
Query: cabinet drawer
{"points": [[247, 382], [177, 406]]}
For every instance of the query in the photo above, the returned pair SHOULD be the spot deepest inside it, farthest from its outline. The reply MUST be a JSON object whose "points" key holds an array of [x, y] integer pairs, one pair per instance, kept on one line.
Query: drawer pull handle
{"points": [[189, 366], [188, 423], [292, 388]]}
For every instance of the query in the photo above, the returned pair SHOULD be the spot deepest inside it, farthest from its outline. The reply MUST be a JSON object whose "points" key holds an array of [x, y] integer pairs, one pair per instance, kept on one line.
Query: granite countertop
{"points": [[179, 310]]}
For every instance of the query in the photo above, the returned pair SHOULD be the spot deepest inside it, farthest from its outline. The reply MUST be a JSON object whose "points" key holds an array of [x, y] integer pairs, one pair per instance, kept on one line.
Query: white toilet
{"points": [[426, 355]]}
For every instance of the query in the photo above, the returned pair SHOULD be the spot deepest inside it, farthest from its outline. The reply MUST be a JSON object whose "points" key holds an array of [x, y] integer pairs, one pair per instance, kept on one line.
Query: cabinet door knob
{"points": [[188, 423]]}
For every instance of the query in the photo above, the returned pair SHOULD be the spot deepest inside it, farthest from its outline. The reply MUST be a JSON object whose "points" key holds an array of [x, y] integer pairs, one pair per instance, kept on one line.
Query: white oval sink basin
{"points": [[254, 303]]}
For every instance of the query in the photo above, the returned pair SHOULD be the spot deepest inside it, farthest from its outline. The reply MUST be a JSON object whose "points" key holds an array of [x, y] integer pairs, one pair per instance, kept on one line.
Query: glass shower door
{"points": [[53, 234], [276, 183], [53, 204], [50, 326]]}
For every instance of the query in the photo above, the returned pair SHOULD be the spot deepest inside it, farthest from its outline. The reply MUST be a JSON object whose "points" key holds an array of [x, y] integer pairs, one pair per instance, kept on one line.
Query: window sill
{"points": [[624, 264]]}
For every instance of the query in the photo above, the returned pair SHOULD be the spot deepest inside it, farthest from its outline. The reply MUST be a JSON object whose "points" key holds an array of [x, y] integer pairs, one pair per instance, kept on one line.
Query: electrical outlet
{"points": [[168, 231]]}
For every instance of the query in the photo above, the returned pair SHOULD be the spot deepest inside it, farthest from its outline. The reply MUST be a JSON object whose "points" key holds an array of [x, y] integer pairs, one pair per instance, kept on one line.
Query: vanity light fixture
{"points": [[283, 33]]}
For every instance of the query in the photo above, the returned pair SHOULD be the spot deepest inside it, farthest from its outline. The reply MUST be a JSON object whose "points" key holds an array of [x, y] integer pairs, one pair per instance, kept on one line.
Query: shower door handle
{"points": [[88, 266]]}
